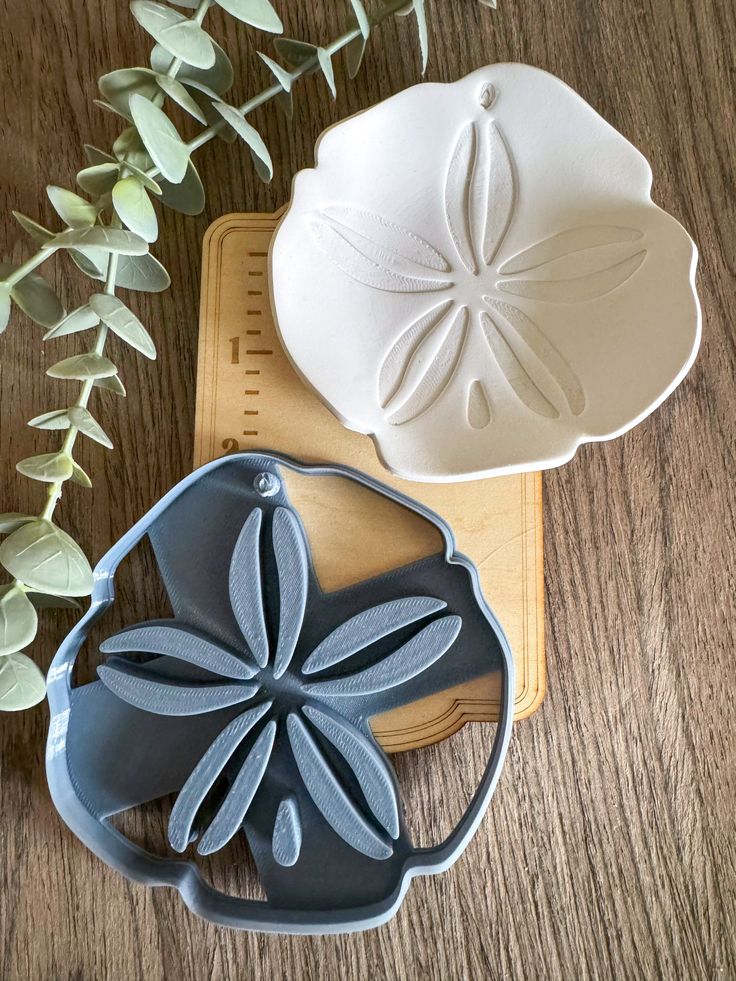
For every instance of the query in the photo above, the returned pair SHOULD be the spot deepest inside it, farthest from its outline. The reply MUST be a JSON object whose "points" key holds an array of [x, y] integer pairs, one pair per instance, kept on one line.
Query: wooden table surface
{"points": [[609, 850]]}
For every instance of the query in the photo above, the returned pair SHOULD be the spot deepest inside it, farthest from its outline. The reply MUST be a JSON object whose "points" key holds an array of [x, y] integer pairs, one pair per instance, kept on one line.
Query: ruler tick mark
{"points": [[259, 351], [252, 371], [258, 255], [250, 432], [251, 391]]}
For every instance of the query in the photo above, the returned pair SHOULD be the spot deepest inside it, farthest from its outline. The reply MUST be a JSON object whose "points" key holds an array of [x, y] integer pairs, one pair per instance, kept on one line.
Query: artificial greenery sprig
{"points": [[108, 234]]}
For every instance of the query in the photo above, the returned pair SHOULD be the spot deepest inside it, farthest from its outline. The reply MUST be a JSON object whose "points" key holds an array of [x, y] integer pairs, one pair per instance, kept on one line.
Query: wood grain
{"points": [[609, 848]]}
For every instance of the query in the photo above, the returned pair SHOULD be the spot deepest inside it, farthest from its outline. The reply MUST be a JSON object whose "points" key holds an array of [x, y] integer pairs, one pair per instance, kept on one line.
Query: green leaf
{"points": [[356, 49], [18, 620], [79, 476], [86, 423], [206, 99], [166, 148], [71, 208], [257, 13], [99, 237], [48, 467], [22, 683], [99, 179], [296, 53], [45, 558], [56, 419], [4, 306], [282, 76], [285, 103], [251, 136], [80, 319], [37, 232], [37, 299], [47, 601], [361, 17], [219, 77], [12, 520], [112, 311], [83, 367], [148, 182], [182, 37], [134, 208], [143, 273], [179, 94], [186, 197], [325, 63], [111, 384], [96, 156], [101, 104], [421, 16], [118, 86]]}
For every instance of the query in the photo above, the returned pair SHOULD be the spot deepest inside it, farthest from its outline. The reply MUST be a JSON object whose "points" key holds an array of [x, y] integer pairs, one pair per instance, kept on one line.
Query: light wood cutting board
{"points": [[249, 397]]}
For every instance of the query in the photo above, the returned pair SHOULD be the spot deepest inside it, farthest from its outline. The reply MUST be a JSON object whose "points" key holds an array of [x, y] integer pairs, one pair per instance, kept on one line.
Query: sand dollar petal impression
{"points": [[475, 275]]}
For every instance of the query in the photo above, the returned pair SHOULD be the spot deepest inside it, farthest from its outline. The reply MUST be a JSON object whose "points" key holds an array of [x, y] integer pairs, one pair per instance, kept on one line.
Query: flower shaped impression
{"points": [[475, 274], [252, 705]]}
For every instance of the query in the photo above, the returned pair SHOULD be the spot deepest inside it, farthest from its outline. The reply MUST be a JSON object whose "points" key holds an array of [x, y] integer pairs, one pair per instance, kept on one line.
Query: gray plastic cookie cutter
{"points": [[253, 703]]}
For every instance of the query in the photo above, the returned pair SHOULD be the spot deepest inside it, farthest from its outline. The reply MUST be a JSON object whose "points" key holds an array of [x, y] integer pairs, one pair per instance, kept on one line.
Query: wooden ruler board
{"points": [[249, 397]]}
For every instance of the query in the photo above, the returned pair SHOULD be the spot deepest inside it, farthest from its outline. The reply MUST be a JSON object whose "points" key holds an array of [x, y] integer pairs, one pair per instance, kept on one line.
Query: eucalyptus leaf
{"points": [[48, 467], [47, 601], [18, 620], [166, 148], [112, 311], [257, 13], [22, 683], [86, 423], [4, 306], [421, 16], [99, 237], [98, 179], [251, 136], [182, 37], [179, 94], [118, 86], [45, 558], [134, 208], [206, 99], [354, 55], [143, 273], [296, 53], [142, 177], [56, 419], [282, 76], [219, 77], [36, 298], [361, 17], [187, 197], [285, 103], [123, 113], [80, 319], [325, 63], [12, 520], [111, 384], [79, 476], [356, 49], [96, 156], [83, 367], [37, 232]]}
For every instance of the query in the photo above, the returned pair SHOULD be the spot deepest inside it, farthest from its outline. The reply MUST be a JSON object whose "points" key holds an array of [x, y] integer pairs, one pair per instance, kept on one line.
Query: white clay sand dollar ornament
{"points": [[475, 275]]}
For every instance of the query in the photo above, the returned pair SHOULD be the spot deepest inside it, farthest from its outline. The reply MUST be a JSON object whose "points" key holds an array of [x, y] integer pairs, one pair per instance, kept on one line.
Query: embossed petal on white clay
{"points": [[475, 275]]}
